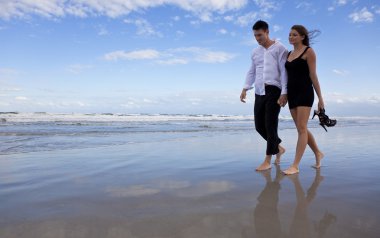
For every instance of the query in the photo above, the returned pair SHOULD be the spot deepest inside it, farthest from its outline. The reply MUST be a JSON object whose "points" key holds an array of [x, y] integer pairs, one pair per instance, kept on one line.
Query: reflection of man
{"points": [[268, 74], [267, 221], [266, 217]]}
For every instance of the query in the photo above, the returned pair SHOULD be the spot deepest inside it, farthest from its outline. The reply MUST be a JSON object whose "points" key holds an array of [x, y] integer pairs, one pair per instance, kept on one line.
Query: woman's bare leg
{"points": [[302, 115], [314, 147]]}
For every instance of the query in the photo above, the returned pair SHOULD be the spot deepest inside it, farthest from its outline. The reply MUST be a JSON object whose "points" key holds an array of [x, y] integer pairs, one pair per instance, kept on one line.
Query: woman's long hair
{"points": [[309, 35]]}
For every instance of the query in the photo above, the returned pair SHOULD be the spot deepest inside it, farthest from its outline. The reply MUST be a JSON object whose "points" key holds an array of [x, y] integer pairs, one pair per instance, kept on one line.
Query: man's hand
{"points": [[282, 100], [243, 95]]}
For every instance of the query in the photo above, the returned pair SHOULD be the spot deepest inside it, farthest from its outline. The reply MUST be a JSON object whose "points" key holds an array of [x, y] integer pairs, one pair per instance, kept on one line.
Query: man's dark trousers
{"points": [[266, 113]]}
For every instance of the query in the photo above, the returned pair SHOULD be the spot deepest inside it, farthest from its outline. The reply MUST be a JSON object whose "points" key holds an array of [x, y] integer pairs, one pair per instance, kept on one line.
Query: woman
{"points": [[302, 81]]}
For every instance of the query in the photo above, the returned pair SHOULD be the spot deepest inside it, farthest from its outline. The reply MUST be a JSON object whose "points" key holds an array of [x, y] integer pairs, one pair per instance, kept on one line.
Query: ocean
{"points": [[32, 132]]}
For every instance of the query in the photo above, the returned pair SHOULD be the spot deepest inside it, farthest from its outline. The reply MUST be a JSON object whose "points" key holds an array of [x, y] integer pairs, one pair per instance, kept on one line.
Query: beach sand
{"points": [[196, 186]]}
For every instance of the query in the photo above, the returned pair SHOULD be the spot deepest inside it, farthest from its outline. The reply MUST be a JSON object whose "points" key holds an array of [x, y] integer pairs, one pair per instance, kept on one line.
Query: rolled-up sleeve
{"points": [[283, 56], [251, 75]]}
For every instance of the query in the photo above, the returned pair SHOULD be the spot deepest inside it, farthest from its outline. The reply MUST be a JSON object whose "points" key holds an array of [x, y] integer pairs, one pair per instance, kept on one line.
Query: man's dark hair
{"points": [[260, 25]]}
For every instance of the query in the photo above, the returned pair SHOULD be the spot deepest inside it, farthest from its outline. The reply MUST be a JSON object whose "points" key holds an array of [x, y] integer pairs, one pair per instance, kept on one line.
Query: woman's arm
{"points": [[312, 62]]}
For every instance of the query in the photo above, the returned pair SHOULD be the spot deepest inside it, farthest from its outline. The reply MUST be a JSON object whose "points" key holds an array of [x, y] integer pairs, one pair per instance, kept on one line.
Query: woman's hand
{"points": [[321, 105]]}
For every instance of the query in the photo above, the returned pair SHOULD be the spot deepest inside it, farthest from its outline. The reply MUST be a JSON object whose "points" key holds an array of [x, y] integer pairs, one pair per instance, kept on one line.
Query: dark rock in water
{"points": [[3, 120]]}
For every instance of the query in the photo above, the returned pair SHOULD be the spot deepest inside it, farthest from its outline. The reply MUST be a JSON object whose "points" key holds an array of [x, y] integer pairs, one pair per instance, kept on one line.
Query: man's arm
{"points": [[249, 80], [283, 56]]}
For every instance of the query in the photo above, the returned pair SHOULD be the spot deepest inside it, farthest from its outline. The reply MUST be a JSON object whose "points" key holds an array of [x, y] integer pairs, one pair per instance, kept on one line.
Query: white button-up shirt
{"points": [[268, 68]]}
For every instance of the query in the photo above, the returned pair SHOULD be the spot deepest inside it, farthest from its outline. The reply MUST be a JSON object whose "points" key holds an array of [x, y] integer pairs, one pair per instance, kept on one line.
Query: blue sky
{"points": [[175, 56]]}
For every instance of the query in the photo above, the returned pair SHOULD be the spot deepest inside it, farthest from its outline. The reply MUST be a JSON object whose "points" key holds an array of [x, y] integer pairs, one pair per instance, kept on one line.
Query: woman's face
{"points": [[295, 37]]}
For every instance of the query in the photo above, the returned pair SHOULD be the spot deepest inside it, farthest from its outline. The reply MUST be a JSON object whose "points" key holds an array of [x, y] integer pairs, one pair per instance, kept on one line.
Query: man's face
{"points": [[261, 36]]}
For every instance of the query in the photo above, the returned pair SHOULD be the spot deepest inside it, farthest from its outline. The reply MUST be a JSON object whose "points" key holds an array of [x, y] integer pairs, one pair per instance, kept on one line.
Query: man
{"points": [[268, 74]]}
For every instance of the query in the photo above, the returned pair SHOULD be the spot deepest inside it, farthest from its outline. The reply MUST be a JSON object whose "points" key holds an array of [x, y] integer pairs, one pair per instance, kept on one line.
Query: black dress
{"points": [[300, 87]]}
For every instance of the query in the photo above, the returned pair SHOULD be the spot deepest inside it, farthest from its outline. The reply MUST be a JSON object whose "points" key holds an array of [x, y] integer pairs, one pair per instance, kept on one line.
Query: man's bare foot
{"points": [[291, 170], [281, 151], [318, 158], [266, 175], [264, 166]]}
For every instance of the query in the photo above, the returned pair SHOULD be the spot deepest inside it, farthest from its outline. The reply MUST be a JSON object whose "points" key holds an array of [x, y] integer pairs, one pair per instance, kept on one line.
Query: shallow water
{"points": [[193, 184]]}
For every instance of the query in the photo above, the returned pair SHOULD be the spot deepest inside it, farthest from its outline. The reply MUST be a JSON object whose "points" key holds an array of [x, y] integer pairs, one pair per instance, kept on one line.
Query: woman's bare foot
{"points": [[264, 166], [281, 150], [318, 158], [291, 170]]}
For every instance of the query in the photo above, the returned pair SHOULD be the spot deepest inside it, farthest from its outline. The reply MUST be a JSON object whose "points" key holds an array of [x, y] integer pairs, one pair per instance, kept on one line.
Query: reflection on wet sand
{"points": [[266, 215]]}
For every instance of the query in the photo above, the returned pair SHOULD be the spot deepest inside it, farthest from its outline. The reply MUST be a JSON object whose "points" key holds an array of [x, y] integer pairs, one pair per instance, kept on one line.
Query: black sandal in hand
{"points": [[324, 120]]}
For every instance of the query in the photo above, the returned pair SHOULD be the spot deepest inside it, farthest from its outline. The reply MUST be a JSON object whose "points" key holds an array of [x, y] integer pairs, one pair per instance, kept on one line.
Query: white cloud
{"points": [[179, 34], [251, 17], [307, 7], [247, 19], [374, 99], [214, 57], [112, 8], [173, 61], [223, 31], [204, 8], [361, 16], [340, 3], [277, 28], [341, 98], [102, 31], [133, 55], [202, 55], [266, 5], [174, 56], [206, 17], [132, 104], [8, 71], [228, 18], [340, 72], [3, 89], [144, 28], [331, 8], [7, 74], [23, 8], [78, 68], [21, 98], [376, 9], [195, 101]]}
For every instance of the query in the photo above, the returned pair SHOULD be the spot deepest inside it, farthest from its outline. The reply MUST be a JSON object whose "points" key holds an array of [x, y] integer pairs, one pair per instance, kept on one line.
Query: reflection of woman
{"points": [[266, 217], [300, 226], [302, 81]]}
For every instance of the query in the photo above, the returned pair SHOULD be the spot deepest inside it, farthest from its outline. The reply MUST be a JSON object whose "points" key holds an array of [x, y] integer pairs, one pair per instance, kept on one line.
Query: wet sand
{"points": [[200, 186]]}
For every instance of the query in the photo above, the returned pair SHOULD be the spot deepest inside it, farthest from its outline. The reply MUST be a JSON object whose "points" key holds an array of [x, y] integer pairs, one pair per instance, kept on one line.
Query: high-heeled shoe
{"points": [[324, 120]]}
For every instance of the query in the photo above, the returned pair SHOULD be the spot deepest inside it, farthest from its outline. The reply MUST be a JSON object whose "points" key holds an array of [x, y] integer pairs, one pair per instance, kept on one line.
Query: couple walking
{"points": [[282, 77]]}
